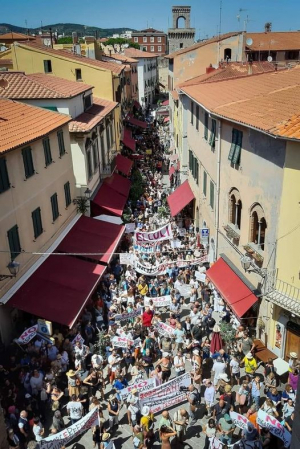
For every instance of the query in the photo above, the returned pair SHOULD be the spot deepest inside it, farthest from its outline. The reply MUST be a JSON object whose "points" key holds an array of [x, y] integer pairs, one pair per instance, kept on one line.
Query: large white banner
{"points": [[164, 233], [127, 316], [159, 301], [126, 258], [166, 395], [147, 248], [122, 342], [274, 426], [141, 386], [62, 438], [28, 335], [156, 270]]}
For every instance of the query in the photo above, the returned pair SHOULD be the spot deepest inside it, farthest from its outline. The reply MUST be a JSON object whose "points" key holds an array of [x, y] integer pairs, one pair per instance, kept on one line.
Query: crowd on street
{"points": [[46, 388]]}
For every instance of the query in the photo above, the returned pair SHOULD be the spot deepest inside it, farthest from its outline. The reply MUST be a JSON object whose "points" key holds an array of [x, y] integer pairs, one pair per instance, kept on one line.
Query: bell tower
{"points": [[181, 37]]}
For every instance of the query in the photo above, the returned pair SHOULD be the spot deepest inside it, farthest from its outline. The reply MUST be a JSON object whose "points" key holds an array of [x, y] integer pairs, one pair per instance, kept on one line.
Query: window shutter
{"points": [[14, 242], [197, 172], [212, 138], [237, 153], [61, 143], [37, 222], [206, 126], [204, 182], [190, 160], [192, 112], [47, 151], [68, 198], [4, 180], [54, 206], [212, 195], [197, 117], [28, 162], [233, 144]]}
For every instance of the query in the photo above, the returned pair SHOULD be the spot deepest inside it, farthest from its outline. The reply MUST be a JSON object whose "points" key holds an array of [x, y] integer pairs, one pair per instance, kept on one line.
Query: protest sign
{"points": [[78, 338], [129, 227], [176, 244], [215, 443], [28, 335], [164, 329], [141, 386], [166, 395], [200, 276], [273, 425], [62, 438], [239, 420], [159, 301], [120, 342], [164, 233], [126, 258], [127, 316]]}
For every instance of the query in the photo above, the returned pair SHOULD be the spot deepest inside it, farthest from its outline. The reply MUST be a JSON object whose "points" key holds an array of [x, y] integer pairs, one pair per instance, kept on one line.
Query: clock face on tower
{"points": [[47, 42]]}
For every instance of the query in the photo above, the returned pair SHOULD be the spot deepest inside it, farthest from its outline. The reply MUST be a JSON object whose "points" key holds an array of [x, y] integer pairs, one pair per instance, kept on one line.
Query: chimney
{"points": [[210, 69], [250, 71], [268, 27]]}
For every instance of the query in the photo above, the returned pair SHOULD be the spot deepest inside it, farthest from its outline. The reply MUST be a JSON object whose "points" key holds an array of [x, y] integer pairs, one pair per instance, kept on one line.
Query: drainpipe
{"points": [[217, 215]]}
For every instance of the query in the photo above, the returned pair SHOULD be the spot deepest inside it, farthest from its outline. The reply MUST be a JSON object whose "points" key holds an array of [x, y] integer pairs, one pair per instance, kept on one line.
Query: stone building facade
{"points": [[181, 37]]}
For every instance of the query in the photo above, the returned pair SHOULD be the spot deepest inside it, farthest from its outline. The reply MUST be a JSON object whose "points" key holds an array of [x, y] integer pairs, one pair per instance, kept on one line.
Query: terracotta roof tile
{"points": [[86, 121], [268, 102], [135, 53], [39, 85], [21, 124], [175, 95], [287, 40], [15, 36], [122, 58], [102, 65], [6, 62], [202, 44]]}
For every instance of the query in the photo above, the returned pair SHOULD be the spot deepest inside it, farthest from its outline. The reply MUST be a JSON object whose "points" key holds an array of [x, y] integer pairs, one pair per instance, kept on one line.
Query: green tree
{"points": [[65, 40], [120, 41]]}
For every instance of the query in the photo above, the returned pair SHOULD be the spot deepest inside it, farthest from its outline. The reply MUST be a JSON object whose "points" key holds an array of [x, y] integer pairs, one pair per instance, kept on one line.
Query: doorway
{"points": [[292, 341]]}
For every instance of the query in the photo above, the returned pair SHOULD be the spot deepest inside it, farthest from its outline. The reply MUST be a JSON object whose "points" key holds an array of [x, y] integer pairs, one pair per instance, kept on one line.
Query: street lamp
{"points": [[13, 267], [87, 193], [246, 263]]}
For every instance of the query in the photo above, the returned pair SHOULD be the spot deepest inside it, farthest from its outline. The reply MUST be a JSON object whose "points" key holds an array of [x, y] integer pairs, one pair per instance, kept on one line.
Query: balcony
{"points": [[254, 252], [232, 232], [282, 294]]}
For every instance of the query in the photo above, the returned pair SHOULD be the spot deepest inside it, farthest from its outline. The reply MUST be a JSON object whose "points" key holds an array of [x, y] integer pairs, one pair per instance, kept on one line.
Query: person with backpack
{"points": [[181, 421], [193, 398]]}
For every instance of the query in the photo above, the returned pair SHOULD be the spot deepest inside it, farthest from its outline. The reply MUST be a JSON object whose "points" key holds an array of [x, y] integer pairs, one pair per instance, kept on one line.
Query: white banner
{"points": [[164, 233], [141, 386], [78, 338], [200, 276], [164, 329], [166, 395], [28, 335], [156, 270], [121, 342], [215, 443], [62, 438], [239, 420], [147, 248], [176, 244], [274, 426], [159, 301], [127, 316], [126, 259]]}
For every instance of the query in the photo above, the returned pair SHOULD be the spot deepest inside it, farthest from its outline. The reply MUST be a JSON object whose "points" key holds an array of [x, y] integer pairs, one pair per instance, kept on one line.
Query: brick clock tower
{"points": [[181, 37]]}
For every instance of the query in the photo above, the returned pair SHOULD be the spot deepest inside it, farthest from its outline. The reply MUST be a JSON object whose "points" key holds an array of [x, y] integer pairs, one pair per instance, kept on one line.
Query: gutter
{"points": [[217, 218]]}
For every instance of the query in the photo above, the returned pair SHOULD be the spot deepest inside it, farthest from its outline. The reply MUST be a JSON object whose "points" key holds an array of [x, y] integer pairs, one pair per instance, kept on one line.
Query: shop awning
{"points": [[134, 121], [109, 219], [119, 184], [180, 198], [173, 157], [59, 289], [165, 103], [128, 140], [137, 104], [171, 171], [231, 287], [123, 164], [94, 239], [108, 201]]}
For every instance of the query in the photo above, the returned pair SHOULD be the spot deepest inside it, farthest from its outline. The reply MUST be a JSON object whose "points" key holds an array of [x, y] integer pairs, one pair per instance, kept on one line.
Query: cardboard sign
{"points": [[159, 301], [127, 316], [78, 338], [141, 386], [164, 329], [126, 259], [239, 420], [121, 342], [164, 233], [274, 426], [44, 327], [28, 335]]}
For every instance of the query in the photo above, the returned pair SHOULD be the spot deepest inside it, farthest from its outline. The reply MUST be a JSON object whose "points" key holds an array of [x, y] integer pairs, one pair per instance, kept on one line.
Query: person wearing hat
{"points": [[226, 427], [250, 364], [293, 361], [133, 411], [105, 440], [73, 382], [113, 408], [147, 419], [219, 367]]}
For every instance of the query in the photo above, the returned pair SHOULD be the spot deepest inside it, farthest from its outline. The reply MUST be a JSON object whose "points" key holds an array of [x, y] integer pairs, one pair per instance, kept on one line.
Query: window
{"points": [[136, 39], [236, 145], [102, 148], [47, 151], [78, 74], [227, 54], [204, 183], [152, 47], [212, 195], [235, 208], [28, 162], [89, 164], [159, 39], [87, 101], [61, 143], [144, 39], [54, 207], [95, 154], [212, 137], [37, 222], [4, 179], [159, 48], [194, 166], [192, 112], [190, 160], [108, 138], [205, 125], [258, 226], [151, 39], [47, 66], [14, 242], [67, 190], [197, 117]]}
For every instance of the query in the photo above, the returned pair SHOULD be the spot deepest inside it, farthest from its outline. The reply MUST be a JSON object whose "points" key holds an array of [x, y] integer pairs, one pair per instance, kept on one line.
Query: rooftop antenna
{"points": [[239, 15], [219, 33], [41, 27]]}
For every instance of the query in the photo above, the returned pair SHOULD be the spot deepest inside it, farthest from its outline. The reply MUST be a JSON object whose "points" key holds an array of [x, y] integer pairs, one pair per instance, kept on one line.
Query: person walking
{"points": [[180, 422], [74, 409], [192, 396]]}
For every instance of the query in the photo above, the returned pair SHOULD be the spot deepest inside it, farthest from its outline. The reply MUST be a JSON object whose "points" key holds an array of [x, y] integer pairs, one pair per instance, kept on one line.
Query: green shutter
{"points": [[68, 198], [197, 172], [47, 151], [192, 112], [237, 153], [204, 182], [212, 138], [37, 222], [190, 160], [61, 143], [233, 144], [212, 195], [28, 162], [54, 206], [14, 242], [206, 126], [197, 117], [4, 180]]}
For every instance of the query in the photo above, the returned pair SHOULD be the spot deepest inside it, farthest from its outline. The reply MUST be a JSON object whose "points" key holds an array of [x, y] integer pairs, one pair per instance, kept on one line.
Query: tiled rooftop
{"points": [[122, 58], [4, 62], [102, 65], [86, 121], [21, 124], [273, 41], [135, 53], [16, 36], [268, 102], [39, 85]]}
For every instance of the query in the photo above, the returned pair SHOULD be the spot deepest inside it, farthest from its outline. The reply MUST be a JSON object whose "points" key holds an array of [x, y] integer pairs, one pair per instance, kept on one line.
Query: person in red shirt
{"points": [[147, 317]]}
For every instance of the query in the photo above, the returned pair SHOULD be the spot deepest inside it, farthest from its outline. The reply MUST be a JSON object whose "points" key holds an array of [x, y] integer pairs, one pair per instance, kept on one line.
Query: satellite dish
{"points": [[249, 42], [3, 83], [270, 59]]}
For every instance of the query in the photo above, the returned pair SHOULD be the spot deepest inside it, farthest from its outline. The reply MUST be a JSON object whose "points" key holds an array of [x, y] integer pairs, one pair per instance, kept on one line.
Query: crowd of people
{"points": [[46, 387]]}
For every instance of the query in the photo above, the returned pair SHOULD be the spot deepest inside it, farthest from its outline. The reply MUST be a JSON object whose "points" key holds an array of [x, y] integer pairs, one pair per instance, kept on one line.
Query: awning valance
{"points": [[123, 164], [180, 198], [233, 290]]}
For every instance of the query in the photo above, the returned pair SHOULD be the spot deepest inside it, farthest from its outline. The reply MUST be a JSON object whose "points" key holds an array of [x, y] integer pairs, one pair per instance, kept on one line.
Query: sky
{"points": [[138, 14]]}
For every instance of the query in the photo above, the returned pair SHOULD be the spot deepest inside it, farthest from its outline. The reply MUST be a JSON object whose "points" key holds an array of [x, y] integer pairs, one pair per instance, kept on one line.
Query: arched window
{"points": [[235, 208], [180, 22], [258, 226], [227, 54]]}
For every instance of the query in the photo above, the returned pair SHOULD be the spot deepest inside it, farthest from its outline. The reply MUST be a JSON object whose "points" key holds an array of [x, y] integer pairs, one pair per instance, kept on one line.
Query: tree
{"points": [[120, 41], [65, 40]]}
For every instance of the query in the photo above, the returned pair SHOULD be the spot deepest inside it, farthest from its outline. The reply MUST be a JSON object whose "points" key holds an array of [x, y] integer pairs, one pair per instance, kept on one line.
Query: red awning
{"points": [[95, 238], [108, 201], [128, 140], [231, 287], [180, 198], [165, 103], [137, 104], [123, 164], [173, 157], [59, 289], [119, 184], [171, 171], [136, 122]]}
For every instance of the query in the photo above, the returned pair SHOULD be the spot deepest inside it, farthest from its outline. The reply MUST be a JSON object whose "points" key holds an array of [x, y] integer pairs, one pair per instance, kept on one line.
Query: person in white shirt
{"points": [[209, 394], [179, 363], [235, 370], [218, 368], [36, 382], [38, 429], [74, 409], [97, 361]]}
